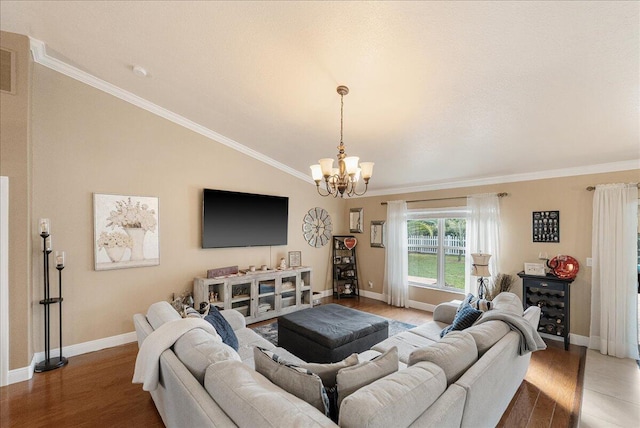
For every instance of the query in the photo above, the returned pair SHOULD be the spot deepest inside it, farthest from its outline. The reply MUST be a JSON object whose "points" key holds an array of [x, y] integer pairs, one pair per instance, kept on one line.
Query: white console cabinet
{"points": [[258, 295]]}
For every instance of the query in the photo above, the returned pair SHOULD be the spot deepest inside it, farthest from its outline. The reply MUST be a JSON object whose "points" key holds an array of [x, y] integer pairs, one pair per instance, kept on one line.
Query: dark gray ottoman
{"points": [[330, 333]]}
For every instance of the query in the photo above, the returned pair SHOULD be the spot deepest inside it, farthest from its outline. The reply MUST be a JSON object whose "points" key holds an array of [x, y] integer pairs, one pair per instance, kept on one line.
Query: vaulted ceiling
{"points": [[442, 93]]}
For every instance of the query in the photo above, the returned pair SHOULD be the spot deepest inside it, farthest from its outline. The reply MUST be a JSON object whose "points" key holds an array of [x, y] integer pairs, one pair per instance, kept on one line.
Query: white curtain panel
{"points": [[614, 317], [396, 281], [483, 235]]}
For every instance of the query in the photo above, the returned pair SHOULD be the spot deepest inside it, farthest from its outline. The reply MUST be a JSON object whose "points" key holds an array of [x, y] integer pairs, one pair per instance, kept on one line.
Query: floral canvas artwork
{"points": [[126, 231]]}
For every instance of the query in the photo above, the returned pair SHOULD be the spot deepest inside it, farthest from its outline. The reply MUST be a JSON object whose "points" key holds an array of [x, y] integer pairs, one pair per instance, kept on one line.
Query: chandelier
{"points": [[344, 179]]}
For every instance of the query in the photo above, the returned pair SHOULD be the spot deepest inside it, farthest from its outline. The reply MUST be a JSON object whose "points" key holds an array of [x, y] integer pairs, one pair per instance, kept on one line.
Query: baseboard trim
{"points": [[421, 305], [373, 295], [26, 373], [22, 374], [415, 304], [574, 339]]}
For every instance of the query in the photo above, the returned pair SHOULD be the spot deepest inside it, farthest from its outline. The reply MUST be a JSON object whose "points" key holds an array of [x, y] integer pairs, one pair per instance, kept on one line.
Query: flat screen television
{"points": [[234, 219]]}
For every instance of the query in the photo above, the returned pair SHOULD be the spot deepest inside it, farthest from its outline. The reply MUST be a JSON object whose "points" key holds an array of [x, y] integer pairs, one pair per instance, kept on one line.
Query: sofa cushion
{"points": [[197, 350], [508, 302], [222, 326], [161, 312], [455, 353], [247, 340], [406, 343], [465, 318], [296, 380], [430, 330], [251, 400], [487, 334], [350, 379], [396, 400]]}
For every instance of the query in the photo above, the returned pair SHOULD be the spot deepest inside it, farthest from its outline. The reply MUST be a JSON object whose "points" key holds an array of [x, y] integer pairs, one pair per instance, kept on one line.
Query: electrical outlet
{"points": [[370, 284], [589, 261]]}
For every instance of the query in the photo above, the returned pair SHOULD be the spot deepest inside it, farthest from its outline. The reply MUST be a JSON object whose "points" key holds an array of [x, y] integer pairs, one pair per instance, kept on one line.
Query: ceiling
{"points": [[441, 93]]}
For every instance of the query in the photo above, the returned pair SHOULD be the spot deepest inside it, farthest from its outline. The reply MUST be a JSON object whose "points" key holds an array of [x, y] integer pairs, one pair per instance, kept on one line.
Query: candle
{"points": [[47, 243], [44, 226], [60, 259]]}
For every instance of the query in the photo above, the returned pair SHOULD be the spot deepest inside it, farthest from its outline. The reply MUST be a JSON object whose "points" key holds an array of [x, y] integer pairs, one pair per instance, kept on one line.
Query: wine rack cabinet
{"points": [[553, 296]]}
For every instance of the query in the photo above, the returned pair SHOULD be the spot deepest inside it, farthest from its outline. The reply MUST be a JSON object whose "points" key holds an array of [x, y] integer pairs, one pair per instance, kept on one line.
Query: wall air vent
{"points": [[7, 71]]}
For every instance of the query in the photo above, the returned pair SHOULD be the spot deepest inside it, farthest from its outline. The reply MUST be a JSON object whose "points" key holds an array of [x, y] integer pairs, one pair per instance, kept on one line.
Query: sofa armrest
{"points": [[445, 312], [234, 318], [532, 314]]}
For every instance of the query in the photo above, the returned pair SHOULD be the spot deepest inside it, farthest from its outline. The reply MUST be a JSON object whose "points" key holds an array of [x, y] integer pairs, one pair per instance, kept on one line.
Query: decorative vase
{"points": [[137, 235], [115, 253]]}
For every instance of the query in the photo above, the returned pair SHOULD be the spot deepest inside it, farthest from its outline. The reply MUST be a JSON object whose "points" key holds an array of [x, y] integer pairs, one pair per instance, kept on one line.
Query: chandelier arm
{"points": [[318, 189], [360, 194]]}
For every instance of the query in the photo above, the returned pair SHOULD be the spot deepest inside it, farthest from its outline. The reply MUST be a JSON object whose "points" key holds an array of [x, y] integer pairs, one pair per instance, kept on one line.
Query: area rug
{"points": [[270, 331]]}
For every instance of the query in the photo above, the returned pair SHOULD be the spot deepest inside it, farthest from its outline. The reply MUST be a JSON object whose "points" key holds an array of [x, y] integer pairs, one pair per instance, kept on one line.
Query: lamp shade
{"points": [[351, 164], [367, 169], [327, 165], [480, 265], [316, 172]]}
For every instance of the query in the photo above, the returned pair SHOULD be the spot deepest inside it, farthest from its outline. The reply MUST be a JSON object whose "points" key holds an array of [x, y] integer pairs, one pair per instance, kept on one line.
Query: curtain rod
{"points": [[592, 188], [500, 195]]}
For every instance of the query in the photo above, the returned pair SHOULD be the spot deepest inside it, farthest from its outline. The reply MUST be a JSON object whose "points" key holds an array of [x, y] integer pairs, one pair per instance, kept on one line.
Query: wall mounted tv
{"points": [[233, 219]]}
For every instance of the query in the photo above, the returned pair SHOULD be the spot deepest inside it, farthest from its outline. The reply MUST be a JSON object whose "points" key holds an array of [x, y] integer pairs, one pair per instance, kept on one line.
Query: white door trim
{"points": [[4, 281]]}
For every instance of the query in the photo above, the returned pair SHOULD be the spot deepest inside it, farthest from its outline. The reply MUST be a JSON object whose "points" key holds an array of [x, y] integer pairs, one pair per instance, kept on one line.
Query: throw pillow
{"points": [[328, 372], [477, 303], [190, 312], [223, 327], [465, 318], [295, 380], [350, 379], [454, 354]]}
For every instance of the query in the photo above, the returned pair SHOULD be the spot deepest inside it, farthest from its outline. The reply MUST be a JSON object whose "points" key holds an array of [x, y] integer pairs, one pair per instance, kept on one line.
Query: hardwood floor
{"points": [[95, 389]]}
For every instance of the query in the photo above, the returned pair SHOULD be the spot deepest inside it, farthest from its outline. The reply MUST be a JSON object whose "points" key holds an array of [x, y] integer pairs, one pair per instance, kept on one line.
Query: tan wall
{"points": [[568, 195], [86, 141], [15, 164]]}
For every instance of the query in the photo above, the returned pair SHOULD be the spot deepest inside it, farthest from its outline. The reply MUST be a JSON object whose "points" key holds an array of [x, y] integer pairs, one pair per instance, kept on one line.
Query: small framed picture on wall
{"points": [[546, 226], [377, 233], [355, 220]]}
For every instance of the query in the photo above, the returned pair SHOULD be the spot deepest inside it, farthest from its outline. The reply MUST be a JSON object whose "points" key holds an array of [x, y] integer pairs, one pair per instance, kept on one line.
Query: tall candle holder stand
{"points": [[50, 363]]}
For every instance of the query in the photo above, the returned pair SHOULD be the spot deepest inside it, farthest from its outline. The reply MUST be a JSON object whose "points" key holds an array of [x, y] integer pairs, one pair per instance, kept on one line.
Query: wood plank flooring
{"points": [[95, 389]]}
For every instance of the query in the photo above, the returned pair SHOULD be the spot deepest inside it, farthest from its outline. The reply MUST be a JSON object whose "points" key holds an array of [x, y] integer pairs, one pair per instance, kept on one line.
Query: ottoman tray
{"points": [[330, 333]]}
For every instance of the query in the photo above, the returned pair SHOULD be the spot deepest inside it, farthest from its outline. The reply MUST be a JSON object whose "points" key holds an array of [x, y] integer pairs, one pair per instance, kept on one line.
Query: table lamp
{"points": [[480, 268]]}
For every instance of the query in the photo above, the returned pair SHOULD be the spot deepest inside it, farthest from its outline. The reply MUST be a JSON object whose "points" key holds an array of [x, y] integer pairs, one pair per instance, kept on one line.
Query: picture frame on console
{"points": [[295, 259]]}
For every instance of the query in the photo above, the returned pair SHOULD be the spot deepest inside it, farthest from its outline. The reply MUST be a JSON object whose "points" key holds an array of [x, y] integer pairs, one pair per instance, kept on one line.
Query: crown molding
{"points": [[40, 56], [539, 175]]}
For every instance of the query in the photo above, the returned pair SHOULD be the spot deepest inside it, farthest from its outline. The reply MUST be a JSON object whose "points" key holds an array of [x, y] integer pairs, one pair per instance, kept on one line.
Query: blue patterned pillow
{"points": [[465, 318]]}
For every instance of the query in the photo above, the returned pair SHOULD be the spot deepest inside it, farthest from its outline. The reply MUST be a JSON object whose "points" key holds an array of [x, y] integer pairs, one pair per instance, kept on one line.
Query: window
{"points": [[437, 249]]}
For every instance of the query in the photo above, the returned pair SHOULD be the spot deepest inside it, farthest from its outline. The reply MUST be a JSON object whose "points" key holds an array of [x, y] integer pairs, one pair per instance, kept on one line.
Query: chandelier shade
{"points": [[344, 179]]}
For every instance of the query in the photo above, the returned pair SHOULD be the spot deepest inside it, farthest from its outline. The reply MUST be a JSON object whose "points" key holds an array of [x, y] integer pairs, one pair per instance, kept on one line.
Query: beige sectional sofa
{"points": [[467, 378]]}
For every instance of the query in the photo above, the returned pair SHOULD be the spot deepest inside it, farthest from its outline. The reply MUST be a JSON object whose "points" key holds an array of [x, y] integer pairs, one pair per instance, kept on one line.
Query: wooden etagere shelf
{"points": [[345, 268]]}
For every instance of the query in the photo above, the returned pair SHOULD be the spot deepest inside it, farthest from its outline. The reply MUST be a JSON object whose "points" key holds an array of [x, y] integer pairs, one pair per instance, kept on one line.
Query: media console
{"points": [[258, 295]]}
